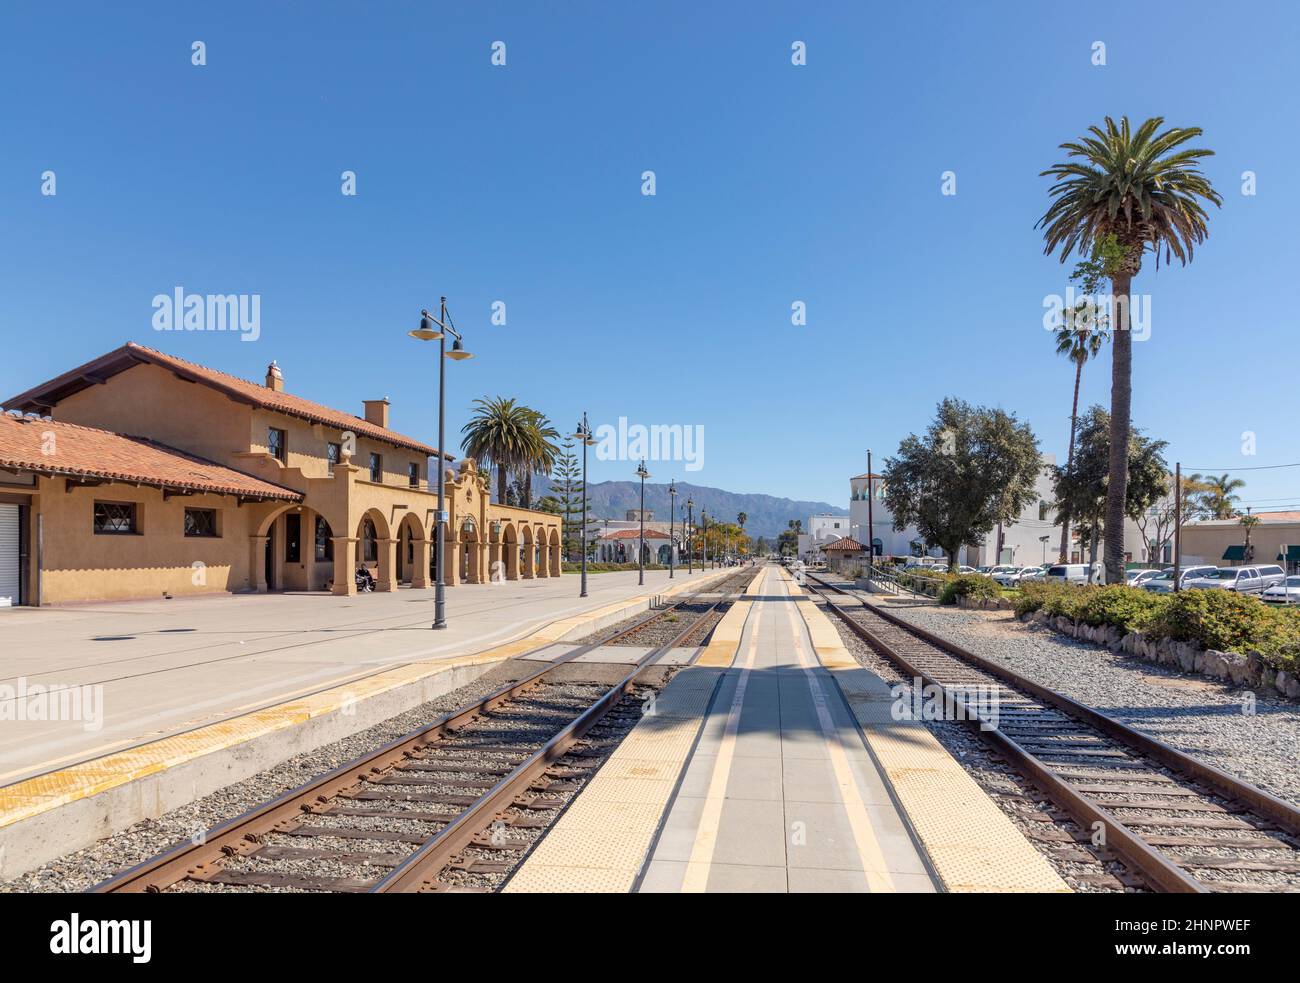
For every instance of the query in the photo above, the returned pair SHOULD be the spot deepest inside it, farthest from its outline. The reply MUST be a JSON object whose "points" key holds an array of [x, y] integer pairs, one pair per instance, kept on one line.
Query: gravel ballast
{"points": [[1201, 717]]}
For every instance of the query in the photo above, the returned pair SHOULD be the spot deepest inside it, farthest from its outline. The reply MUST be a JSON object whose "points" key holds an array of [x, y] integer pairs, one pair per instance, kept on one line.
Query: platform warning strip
{"points": [[970, 843]]}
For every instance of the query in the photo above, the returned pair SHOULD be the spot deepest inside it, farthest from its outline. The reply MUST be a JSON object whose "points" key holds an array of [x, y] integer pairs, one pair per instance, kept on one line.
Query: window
{"points": [[413, 474], [201, 523], [1042, 511], [377, 467], [115, 518], [369, 542], [293, 538], [324, 540], [333, 453], [277, 444]]}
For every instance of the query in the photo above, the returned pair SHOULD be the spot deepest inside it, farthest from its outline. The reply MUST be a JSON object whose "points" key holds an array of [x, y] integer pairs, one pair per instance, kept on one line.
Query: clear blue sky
{"points": [[775, 184]]}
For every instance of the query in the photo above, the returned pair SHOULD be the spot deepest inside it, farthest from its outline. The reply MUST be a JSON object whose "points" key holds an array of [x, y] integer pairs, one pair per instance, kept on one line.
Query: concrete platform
{"points": [[199, 693], [761, 770]]}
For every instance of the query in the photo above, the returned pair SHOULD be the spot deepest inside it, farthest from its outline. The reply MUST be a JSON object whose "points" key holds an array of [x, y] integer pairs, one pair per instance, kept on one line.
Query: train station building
{"points": [[139, 475]]}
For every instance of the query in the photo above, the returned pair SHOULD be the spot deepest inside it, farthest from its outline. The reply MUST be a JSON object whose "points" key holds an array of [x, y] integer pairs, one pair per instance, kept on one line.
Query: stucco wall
{"points": [[80, 565]]}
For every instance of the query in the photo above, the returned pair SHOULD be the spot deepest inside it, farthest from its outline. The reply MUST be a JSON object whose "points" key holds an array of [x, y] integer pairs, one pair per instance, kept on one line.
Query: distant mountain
{"points": [[768, 515]]}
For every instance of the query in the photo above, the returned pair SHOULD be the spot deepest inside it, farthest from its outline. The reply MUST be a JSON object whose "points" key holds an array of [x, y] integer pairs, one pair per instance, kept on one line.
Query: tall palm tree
{"points": [[501, 434], [1219, 497], [1121, 192], [543, 451], [1079, 338]]}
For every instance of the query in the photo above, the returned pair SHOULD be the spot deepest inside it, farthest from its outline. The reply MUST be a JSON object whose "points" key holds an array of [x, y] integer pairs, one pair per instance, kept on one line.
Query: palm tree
{"points": [[502, 434], [1121, 192], [1079, 338], [1218, 496], [542, 452], [1248, 522]]}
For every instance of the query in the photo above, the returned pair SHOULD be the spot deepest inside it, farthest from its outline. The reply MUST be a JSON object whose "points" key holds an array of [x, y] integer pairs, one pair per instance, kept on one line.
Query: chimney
{"points": [[377, 411], [274, 378]]}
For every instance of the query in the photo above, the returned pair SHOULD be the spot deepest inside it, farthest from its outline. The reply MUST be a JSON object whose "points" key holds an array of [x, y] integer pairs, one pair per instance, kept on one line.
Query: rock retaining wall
{"points": [[1251, 669]]}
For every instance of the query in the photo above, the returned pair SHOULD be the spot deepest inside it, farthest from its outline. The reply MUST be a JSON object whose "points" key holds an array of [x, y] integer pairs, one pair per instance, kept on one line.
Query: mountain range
{"points": [[768, 515]]}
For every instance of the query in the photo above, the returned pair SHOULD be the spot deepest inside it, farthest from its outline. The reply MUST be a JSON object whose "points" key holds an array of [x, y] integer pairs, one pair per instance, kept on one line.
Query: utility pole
{"points": [[1178, 525], [871, 523]]}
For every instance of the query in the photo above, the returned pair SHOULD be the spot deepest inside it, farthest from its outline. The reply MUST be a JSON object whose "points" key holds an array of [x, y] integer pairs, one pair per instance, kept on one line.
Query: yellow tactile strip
{"points": [[725, 640], [604, 837], [971, 845], [33, 796]]}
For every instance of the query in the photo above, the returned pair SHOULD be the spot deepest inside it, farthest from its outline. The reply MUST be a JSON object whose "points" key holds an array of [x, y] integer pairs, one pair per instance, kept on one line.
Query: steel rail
{"points": [[167, 868], [420, 870], [1160, 873], [1264, 803]]}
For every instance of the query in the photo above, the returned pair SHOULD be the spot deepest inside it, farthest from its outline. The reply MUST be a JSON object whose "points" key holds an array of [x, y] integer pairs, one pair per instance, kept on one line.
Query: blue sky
{"points": [[775, 184]]}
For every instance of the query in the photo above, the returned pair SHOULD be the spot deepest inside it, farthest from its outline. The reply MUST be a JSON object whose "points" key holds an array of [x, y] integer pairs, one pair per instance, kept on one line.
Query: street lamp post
{"points": [[641, 473], [704, 550], [427, 332], [690, 531], [583, 435], [672, 504]]}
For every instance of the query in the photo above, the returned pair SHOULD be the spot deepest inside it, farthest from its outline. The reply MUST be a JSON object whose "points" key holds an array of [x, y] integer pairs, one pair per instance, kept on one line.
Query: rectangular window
{"points": [[201, 523], [413, 474], [277, 444], [293, 538], [115, 519], [376, 468], [333, 452]]}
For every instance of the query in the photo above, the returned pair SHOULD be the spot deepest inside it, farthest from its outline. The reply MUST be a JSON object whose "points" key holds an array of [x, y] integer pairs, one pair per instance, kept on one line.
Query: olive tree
{"points": [[973, 468]]}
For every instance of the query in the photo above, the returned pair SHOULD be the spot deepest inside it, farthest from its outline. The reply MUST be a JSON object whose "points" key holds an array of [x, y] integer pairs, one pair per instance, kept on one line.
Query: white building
{"points": [[820, 530], [1022, 541]]}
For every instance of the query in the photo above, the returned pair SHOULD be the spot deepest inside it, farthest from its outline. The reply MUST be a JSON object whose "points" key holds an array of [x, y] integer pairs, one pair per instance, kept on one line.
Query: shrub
{"points": [[968, 585], [1230, 622], [1128, 608]]}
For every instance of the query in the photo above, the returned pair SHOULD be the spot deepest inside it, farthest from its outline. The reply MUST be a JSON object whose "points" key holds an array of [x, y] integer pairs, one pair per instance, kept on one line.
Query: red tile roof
{"points": [[45, 396], [845, 543], [48, 447], [635, 534]]}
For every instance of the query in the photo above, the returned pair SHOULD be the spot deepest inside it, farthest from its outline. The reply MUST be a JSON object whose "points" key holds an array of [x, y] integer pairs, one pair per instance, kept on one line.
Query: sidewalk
{"points": [[166, 667]]}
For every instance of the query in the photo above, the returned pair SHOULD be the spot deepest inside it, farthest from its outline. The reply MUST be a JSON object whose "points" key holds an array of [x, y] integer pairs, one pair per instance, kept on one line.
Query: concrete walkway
{"points": [[159, 668], [781, 794]]}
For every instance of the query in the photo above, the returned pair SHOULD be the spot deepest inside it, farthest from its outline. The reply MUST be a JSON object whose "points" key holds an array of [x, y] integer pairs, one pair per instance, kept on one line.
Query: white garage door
{"points": [[8, 555]]}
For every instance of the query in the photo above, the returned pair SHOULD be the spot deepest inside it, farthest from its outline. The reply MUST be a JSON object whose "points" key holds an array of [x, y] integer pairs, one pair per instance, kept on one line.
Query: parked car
{"points": [[1163, 583], [1034, 573], [1243, 580], [1067, 573], [965, 569], [1136, 578], [1285, 593]]}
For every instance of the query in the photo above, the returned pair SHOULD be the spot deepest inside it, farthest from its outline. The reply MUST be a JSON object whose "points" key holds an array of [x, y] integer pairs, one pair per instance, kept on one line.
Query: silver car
{"points": [[1287, 593], [1163, 583], [1243, 580], [1136, 578]]}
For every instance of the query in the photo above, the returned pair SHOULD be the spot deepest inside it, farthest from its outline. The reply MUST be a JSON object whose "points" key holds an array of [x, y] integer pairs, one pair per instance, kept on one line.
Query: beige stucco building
{"points": [[140, 474], [1223, 541]]}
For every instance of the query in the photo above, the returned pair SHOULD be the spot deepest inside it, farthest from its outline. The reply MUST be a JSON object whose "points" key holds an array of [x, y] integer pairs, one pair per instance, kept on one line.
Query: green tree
{"points": [[1080, 338], [1120, 192], [1248, 523], [973, 467], [1082, 490], [502, 434], [566, 480], [1219, 496], [541, 453]]}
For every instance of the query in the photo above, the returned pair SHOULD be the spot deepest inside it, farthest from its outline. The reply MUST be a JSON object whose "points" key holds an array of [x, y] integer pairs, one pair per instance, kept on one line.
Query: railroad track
{"points": [[428, 811], [1177, 823]]}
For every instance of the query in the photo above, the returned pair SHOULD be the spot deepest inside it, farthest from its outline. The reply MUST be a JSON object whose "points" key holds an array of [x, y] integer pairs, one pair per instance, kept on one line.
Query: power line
{"points": [[1261, 467]]}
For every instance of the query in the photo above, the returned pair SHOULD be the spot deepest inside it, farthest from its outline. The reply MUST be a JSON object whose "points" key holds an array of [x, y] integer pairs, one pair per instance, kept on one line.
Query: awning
{"points": [[1292, 554], [1235, 553]]}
